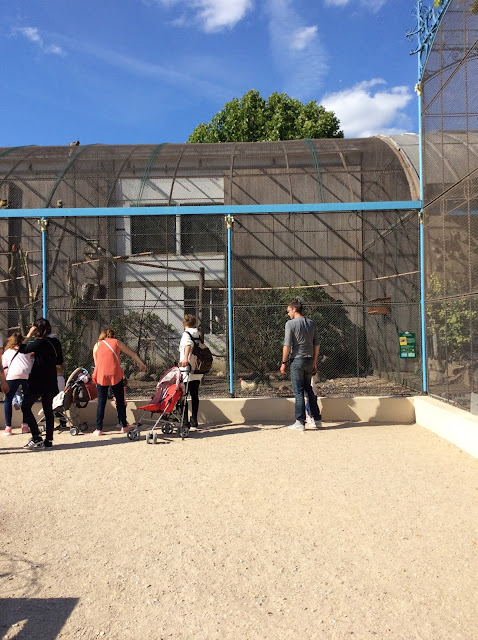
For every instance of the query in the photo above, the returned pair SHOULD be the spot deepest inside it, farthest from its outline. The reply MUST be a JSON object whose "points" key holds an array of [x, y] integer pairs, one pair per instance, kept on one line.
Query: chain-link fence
{"points": [[450, 181], [358, 275], [356, 272], [140, 273]]}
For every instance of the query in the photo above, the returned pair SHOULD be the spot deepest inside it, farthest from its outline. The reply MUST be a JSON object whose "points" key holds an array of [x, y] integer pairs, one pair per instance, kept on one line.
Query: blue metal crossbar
{"points": [[230, 209]]}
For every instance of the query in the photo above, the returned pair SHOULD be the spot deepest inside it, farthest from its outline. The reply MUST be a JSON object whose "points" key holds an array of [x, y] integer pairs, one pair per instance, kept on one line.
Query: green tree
{"points": [[450, 321], [260, 317], [280, 117], [150, 337]]}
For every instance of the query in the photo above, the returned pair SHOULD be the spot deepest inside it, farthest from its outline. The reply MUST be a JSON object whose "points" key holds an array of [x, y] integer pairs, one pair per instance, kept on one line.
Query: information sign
{"points": [[408, 345]]}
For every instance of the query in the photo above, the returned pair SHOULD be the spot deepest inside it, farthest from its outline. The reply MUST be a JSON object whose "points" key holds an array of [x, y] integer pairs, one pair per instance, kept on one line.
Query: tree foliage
{"points": [[450, 321], [260, 318], [149, 336], [280, 117]]}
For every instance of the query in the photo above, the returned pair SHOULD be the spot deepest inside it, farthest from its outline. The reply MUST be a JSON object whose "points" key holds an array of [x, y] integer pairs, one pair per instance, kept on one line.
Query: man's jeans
{"points": [[301, 377]]}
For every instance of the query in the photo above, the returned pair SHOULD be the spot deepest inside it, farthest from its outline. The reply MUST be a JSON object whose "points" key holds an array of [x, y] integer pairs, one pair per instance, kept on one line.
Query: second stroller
{"points": [[79, 390]]}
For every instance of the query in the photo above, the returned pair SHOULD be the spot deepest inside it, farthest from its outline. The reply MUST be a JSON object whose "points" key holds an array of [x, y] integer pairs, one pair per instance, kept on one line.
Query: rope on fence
{"points": [[313, 286]]}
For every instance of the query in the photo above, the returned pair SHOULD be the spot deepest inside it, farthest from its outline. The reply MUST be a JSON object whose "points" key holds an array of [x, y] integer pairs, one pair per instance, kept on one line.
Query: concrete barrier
{"points": [[452, 424], [393, 409], [455, 425]]}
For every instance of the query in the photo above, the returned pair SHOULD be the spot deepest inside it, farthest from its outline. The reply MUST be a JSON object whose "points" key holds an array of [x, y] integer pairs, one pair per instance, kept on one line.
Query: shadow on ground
{"points": [[38, 618]]}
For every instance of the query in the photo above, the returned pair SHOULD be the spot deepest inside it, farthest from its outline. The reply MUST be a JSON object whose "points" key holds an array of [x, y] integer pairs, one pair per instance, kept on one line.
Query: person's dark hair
{"points": [[42, 328], [296, 305]]}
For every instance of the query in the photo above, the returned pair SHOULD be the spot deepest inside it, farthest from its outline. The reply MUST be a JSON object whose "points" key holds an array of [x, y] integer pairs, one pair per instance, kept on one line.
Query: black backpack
{"points": [[201, 358]]}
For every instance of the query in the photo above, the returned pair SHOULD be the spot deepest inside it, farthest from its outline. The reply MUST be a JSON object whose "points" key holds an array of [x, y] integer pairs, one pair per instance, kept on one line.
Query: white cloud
{"points": [[212, 15], [220, 14], [365, 111], [32, 34], [373, 5], [336, 3], [303, 37], [297, 51]]}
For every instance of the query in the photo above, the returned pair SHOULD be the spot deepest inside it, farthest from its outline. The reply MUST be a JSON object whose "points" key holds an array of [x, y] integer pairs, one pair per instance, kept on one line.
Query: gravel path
{"points": [[242, 532]]}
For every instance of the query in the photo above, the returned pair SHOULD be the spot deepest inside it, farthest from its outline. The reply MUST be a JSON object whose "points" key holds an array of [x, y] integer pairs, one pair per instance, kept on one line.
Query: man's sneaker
{"points": [[310, 422], [8, 431], [25, 428], [34, 444], [124, 429], [98, 432], [297, 426], [48, 444]]}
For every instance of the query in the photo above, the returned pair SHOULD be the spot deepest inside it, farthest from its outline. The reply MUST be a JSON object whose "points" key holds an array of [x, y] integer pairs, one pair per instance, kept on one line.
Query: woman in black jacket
{"points": [[42, 382]]}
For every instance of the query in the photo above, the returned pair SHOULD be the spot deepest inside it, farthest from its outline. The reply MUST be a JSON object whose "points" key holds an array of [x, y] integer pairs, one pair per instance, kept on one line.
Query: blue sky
{"points": [[149, 71]]}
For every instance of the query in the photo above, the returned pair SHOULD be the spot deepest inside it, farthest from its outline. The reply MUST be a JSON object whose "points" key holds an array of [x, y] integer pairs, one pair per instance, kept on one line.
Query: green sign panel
{"points": [[408, 345]]}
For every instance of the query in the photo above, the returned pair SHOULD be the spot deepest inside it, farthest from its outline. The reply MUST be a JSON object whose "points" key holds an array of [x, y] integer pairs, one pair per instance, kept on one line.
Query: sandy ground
{"points": [[241, 532]]}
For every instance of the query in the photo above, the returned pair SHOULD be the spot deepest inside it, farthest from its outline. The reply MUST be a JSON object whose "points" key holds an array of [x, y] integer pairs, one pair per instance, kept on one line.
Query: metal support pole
{"points": [[229, 224], [423, 309], [201, 296], [43, 228], [423, 333]]}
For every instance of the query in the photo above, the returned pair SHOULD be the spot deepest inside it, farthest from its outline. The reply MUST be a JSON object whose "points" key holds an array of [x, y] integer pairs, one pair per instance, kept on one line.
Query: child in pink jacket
{"points": [[17, 367]]}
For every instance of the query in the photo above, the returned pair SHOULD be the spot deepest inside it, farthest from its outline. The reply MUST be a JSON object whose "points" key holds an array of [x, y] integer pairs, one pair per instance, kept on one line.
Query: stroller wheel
{"points": [[133, 434], [184, 432], [149, 438], [166, 428], [74, 431], [155, 438]]}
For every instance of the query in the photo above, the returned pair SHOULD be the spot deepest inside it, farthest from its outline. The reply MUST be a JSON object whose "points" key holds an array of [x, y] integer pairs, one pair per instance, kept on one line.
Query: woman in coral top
{"points": [[108, 373]]}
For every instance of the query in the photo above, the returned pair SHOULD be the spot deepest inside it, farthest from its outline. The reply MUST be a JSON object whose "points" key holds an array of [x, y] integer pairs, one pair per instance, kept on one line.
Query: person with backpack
{"points": [[108, 373], [189, 339], [42, 382]]}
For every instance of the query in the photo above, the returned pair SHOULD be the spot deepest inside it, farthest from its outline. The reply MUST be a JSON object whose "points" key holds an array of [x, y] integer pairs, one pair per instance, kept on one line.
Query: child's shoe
{"points": [[25, 428], [8, 431]]}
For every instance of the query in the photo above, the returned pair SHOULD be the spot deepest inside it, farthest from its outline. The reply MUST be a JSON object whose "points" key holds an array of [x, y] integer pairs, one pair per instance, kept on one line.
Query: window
{"points": [[202, 233], [185, 235], [153, 233], [214, 308]]}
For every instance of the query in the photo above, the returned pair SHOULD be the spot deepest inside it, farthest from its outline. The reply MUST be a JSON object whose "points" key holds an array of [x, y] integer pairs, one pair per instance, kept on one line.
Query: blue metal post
{"points": [[230, 324], [421, 232], [422, 309], [43, 228]]}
